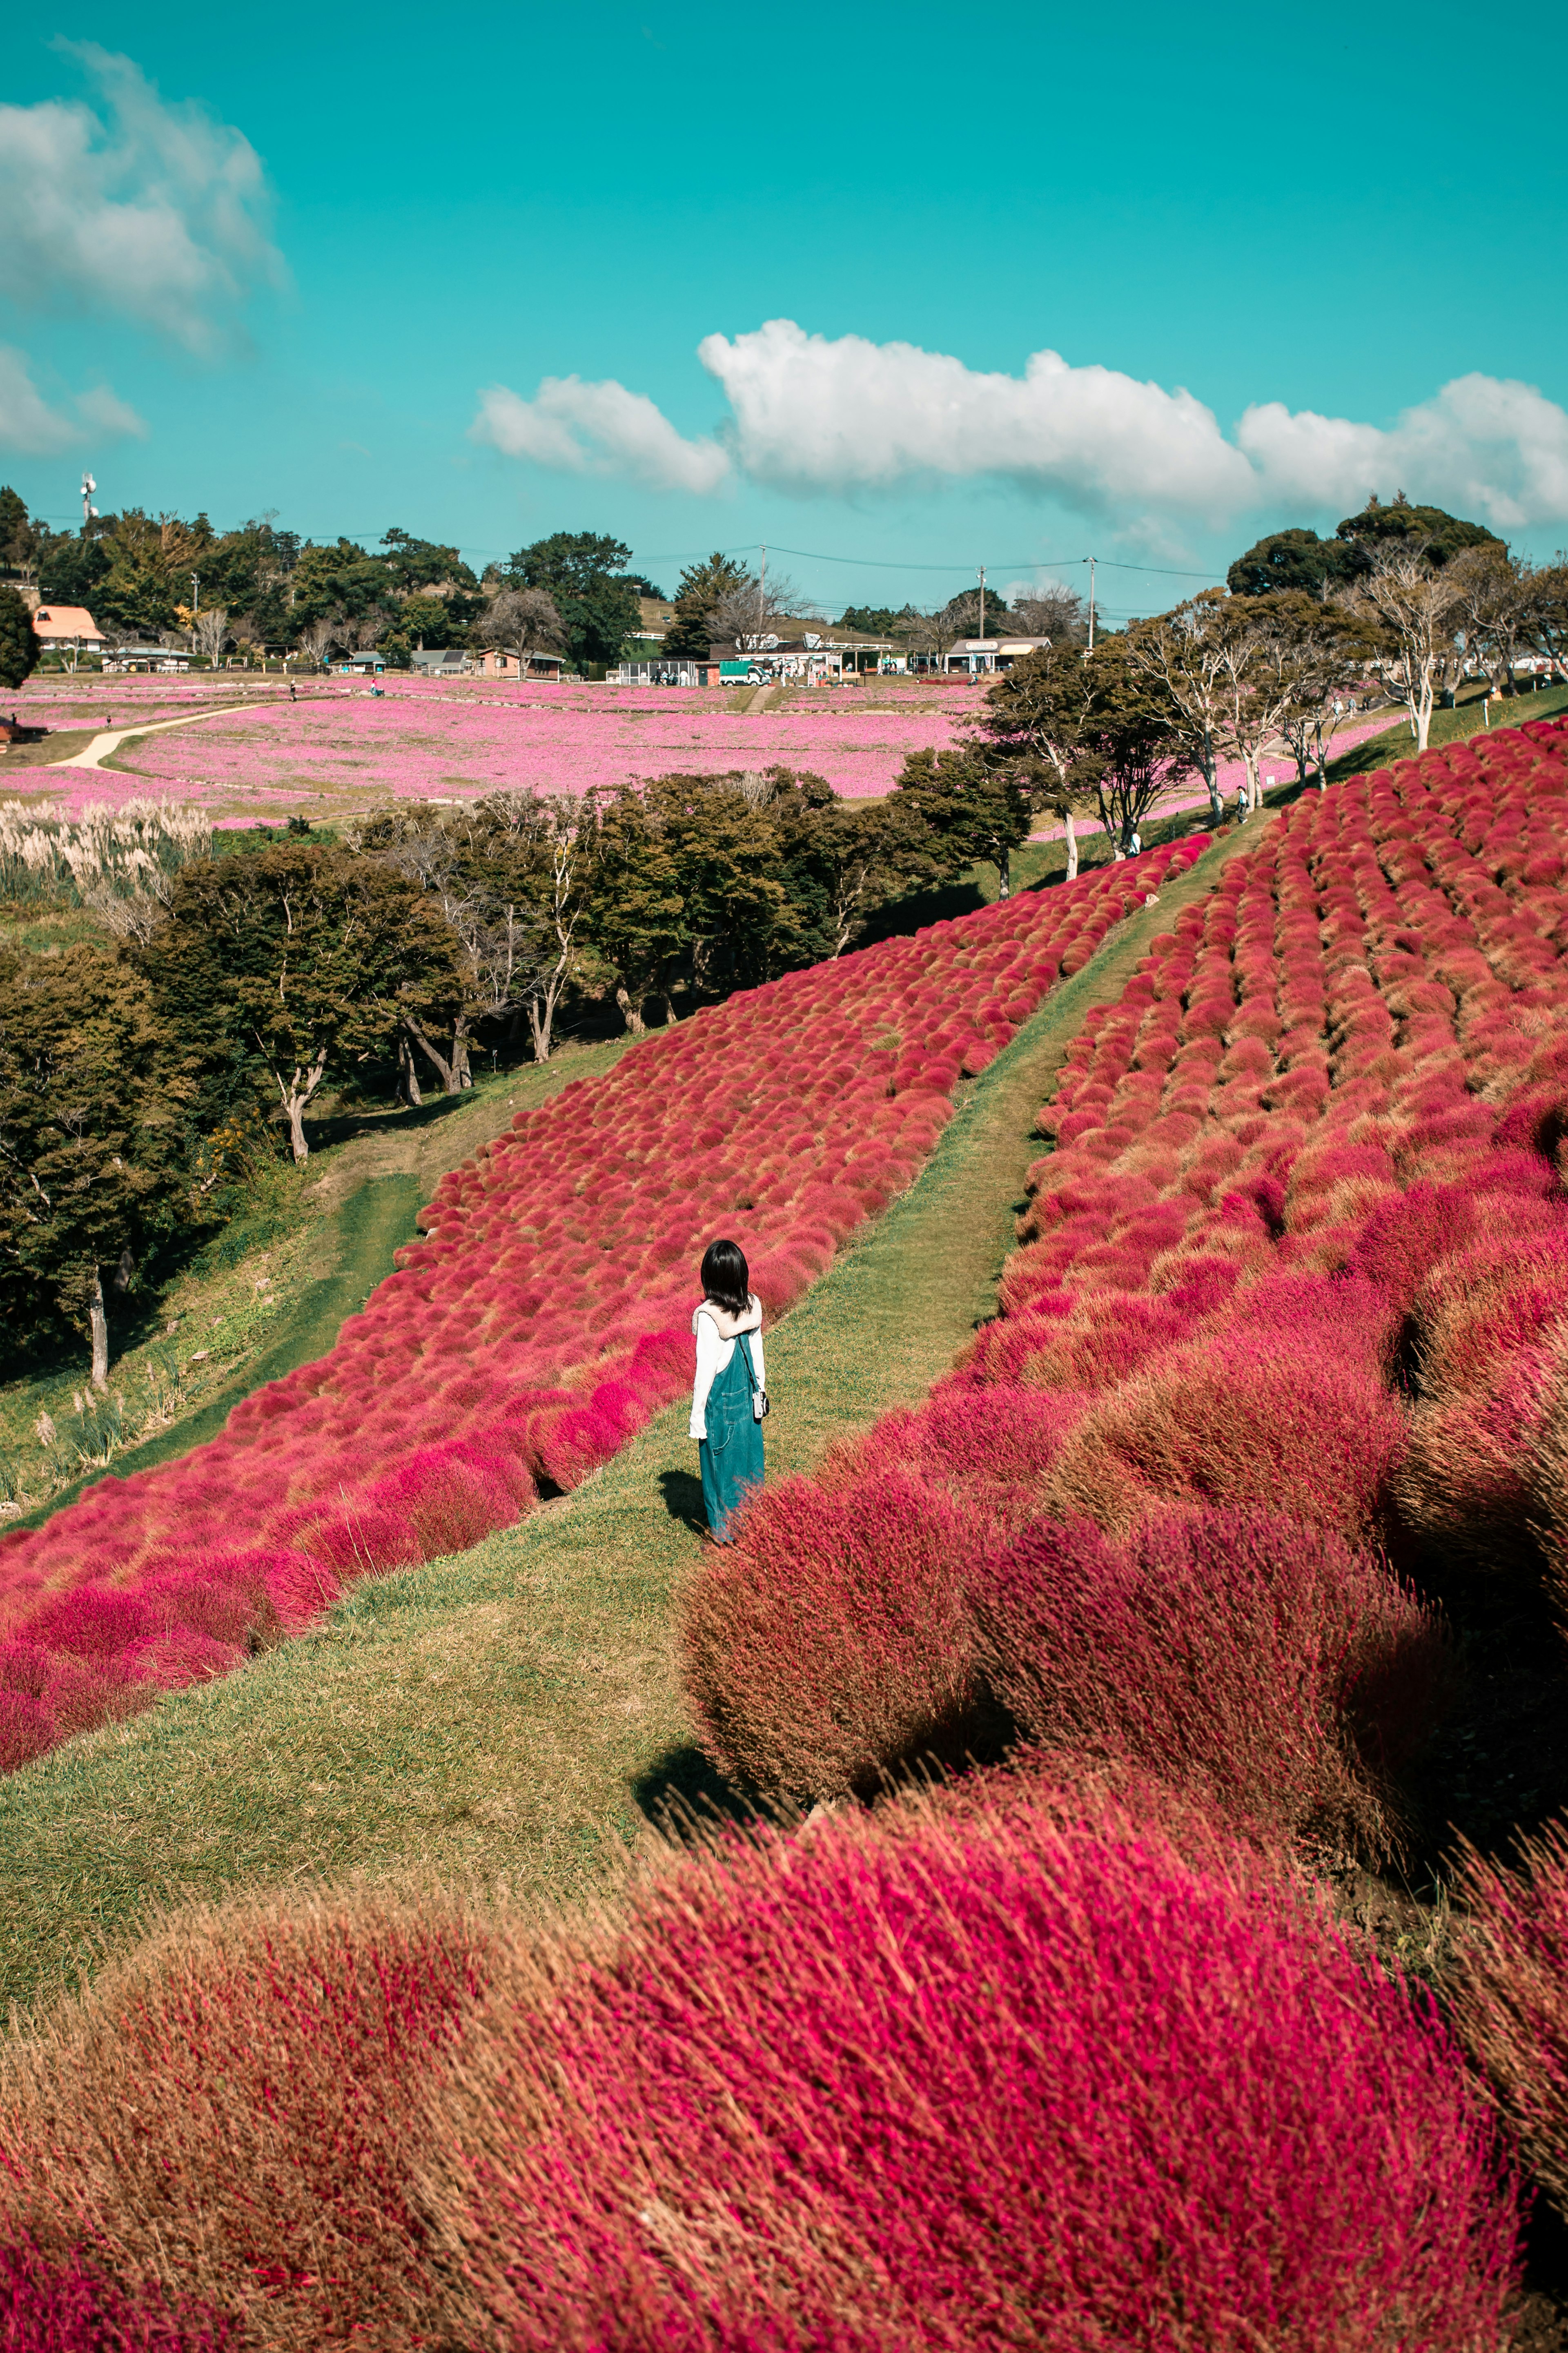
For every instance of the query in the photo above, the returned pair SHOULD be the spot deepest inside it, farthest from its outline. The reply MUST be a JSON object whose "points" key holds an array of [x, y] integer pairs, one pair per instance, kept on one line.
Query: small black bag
{"points": [[760, 1406]]}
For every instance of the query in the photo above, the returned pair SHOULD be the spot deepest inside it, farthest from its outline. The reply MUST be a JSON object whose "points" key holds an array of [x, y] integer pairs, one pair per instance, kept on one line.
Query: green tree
{"points": [[428, 621], [18, 639], [638, 912], [583, 574], [1428, 534], [295, 962], [534, 855], [72, 566], [1133, 730], [740, 925], [962, 812], [1036, 720], [412, 564], [341, 579], [1294, 560], [839, 859], [14, 523], [92, 1134], [700, 590]]}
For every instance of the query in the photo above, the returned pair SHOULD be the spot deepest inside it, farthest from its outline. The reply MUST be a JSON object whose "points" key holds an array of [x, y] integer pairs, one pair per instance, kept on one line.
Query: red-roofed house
{"points": [[68, 625]]}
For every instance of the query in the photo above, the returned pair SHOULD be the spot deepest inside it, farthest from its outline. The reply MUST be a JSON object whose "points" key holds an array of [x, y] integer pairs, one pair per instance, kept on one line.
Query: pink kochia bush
{"points": [[1510, 2001], [545, 1315], [1300, 1248], [71, 2307], [1260, 1665], [1015, 2072]]}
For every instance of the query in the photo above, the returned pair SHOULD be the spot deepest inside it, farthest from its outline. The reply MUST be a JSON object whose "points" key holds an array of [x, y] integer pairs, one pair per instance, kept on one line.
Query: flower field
{"points": [[1033, 2048], [429, 742], [1068, 2055], [341, 746], [1290, 1299], [544, 1317]]}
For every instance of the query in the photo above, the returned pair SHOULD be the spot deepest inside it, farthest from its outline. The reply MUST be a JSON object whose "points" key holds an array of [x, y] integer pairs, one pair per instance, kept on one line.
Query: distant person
{"points": [[1135, 845], [293, 696], [730, 1395], [1241, 804]]}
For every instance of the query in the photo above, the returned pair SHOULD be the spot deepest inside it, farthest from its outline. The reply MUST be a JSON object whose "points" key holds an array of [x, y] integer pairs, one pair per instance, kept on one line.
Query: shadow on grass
{"points": [[682, 1492], [686, 1798]]}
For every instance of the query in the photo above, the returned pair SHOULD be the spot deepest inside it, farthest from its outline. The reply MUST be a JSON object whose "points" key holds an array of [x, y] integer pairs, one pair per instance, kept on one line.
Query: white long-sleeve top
{"points": [[717, 1332]]}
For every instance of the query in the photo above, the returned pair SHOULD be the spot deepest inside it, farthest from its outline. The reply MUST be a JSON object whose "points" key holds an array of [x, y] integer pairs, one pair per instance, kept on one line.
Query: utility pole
{"points": [[762, 595], [1091, 604], [195, 594], [982, 569]]}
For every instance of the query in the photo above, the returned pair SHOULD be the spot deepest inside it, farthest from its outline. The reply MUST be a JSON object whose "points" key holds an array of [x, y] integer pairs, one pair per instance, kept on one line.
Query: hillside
{"points": [[1217, 1569], [544, 1317]]}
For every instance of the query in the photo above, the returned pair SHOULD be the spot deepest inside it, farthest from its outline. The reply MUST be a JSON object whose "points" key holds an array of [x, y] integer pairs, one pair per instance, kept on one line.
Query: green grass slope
{"points": [[515, 1712]]}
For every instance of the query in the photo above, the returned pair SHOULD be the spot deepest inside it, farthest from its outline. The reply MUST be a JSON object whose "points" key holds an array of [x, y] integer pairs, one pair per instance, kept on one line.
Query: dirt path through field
{"points": [[94, 753]]}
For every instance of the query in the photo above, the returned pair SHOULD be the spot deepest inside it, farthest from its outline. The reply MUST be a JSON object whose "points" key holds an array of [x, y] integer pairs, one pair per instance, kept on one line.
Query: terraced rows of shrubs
{"points": [[544, 1317], [1071, 2052]]}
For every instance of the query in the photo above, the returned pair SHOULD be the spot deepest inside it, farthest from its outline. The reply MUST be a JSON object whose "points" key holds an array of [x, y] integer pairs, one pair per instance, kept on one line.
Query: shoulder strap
{"points": [[744, 1339]]}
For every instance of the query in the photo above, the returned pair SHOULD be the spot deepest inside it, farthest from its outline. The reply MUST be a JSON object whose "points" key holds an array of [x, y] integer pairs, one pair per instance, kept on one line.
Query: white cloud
{"points": [[31, 427], [152, 210], [597, 429], [1491, 447], [811, 414]]}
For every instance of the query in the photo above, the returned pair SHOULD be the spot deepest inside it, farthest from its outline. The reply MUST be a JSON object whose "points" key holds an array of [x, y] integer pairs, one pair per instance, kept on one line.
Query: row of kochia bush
{"points": [[545, 1316], [1069, 2054]]}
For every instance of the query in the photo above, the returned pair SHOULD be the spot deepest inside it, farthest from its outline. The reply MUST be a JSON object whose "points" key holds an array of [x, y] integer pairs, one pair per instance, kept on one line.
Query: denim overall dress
{"points": [[732, 1453]]}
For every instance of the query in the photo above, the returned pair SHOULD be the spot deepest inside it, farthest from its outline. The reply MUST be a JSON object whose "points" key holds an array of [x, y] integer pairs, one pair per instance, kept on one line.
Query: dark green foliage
{"points": [[18, 639], [339, 578], [1295, 559], [94, 1115], [70, 569], [960, 811], [1299, 559], [1435, 533], [583, 573], [274, 968], [701, 587], [12, 523], [873, 620]]}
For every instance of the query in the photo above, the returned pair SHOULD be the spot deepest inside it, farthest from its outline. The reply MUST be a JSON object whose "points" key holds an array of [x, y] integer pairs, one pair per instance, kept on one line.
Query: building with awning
{"points": [[976, 654]]}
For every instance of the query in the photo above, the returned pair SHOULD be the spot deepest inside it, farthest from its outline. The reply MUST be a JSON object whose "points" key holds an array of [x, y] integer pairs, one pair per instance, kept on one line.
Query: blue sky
{"points": [[455, 272]]}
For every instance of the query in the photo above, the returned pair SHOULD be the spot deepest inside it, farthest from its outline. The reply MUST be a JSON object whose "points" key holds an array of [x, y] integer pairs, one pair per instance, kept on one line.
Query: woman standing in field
{"points": [[730, 1398]]}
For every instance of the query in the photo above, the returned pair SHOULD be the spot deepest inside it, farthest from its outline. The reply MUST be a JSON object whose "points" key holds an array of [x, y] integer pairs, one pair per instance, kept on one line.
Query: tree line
{"points": [[144, 1074]]}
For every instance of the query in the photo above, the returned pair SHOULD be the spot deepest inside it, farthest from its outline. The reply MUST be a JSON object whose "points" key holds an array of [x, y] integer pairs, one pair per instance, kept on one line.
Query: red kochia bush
{"points": [[71, 2307], [831, 1644], [1241, 1657], [1510, 2002], [230, 2113], [1244, 1417], [941, 2078], [990, 1448]]}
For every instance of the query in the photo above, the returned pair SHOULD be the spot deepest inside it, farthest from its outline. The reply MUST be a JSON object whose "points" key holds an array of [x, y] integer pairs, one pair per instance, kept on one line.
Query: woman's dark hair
{"points": [[725, 1279]]}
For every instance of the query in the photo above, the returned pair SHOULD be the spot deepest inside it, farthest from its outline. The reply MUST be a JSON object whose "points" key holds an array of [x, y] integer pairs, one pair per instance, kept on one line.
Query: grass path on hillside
{"points": [[515, 1713]]}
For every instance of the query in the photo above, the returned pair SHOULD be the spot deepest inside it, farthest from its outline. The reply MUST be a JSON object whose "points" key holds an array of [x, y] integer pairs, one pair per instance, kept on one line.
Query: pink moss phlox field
{"points": [[1301, 1244], [418, 743], [926, 2080], [545, 1315]]}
